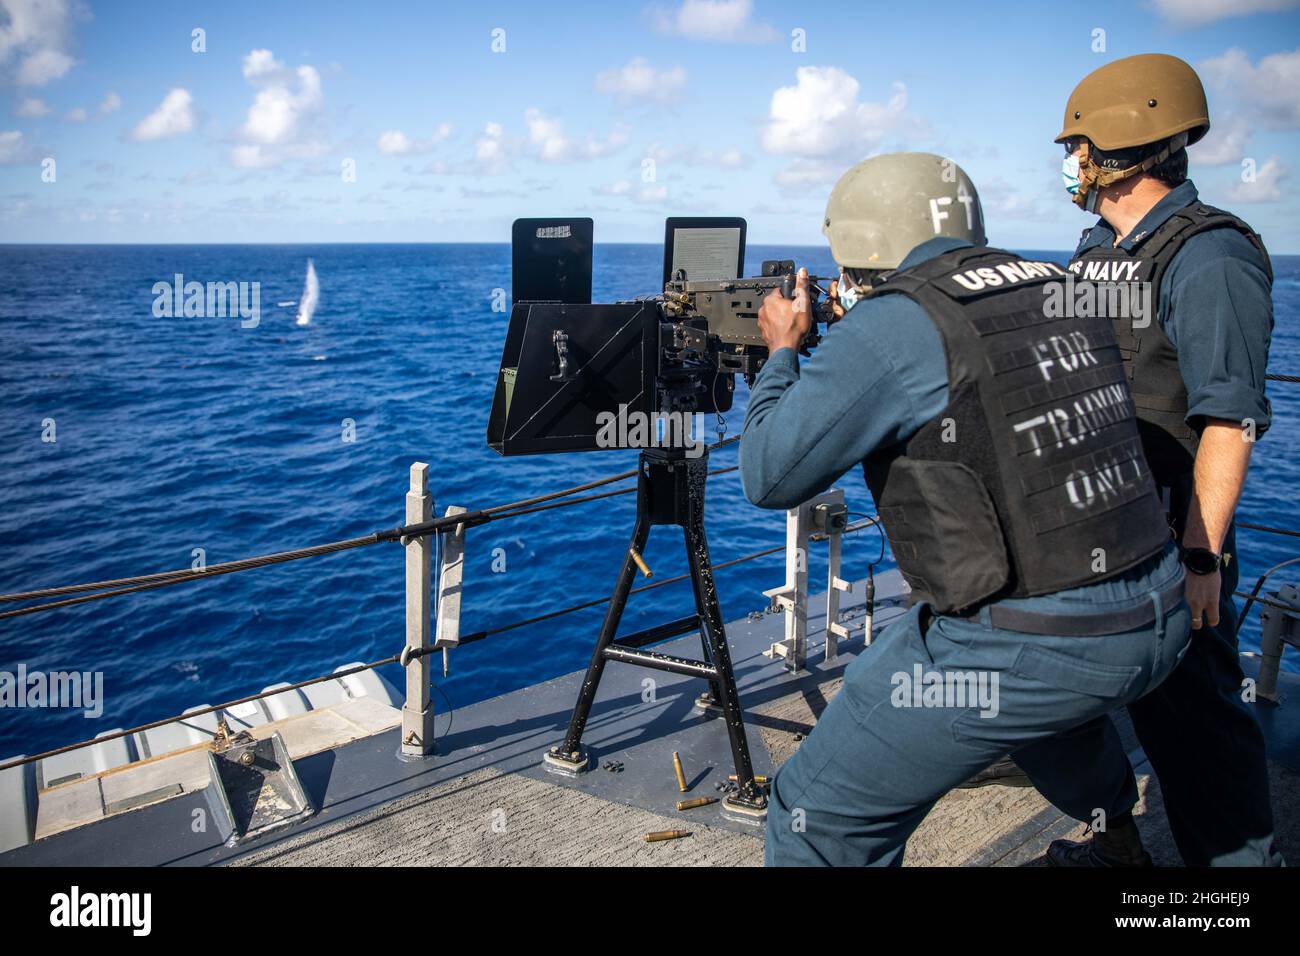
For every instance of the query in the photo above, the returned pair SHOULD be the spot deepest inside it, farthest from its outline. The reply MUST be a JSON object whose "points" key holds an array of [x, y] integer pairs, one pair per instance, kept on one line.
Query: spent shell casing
{"points": [[640, 563], [758, 778], [659, 836], [681, 774], [697, 802]]}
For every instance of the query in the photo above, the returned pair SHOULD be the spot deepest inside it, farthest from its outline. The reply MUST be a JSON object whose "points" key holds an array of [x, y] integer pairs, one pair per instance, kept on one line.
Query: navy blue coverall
{"points": [[1199, 733], [882, 753]]}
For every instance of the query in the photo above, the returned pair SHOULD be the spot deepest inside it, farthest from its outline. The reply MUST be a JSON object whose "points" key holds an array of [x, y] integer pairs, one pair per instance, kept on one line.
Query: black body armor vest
{"points": [[1150, 358], [1036, 462]]}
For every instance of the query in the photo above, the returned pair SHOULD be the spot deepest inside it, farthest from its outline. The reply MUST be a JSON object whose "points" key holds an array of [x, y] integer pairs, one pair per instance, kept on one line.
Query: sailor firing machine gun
{"points": [[569, 363]]}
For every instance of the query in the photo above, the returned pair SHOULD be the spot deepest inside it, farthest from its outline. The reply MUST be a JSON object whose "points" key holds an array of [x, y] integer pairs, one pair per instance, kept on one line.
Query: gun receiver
{"points": [[729, 310]]}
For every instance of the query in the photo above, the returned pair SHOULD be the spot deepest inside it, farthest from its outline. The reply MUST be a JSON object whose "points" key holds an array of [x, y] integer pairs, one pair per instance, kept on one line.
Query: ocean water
{"points": [[176, 434]]}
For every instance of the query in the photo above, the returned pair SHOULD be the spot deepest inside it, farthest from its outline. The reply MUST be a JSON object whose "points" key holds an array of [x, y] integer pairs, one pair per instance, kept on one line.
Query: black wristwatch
{"points": [[1201, 560]]}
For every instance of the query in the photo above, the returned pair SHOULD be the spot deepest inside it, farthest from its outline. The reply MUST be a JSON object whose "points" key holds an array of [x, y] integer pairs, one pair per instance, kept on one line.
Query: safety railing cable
{"points": [[396, 658], [1265, 602], [480, 635], [1264, 527], [122, 586], [168, 578]]}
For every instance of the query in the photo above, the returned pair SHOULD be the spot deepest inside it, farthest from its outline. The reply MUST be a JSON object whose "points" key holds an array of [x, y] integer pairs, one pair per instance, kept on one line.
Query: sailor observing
{"points": [[1046, 590], [1197, 375]]}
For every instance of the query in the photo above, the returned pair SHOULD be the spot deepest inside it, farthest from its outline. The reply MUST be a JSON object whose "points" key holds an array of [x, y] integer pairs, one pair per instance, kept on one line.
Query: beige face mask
{"points": [[1094, 178]]}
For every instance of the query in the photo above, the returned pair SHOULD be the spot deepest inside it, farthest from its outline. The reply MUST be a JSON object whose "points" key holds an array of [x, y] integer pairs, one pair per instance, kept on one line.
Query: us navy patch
{"points": [[1002, 275], [1106, 270]]}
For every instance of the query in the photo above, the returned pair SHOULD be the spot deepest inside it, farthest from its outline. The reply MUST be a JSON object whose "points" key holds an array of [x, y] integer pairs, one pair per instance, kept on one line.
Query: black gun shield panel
{"points": [[706, 247], [612, 356], [550, 260]]}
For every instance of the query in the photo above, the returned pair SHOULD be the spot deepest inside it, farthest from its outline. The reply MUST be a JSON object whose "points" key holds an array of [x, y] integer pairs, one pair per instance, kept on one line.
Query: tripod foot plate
{"points": [[708, 706], [744, 812], [561, 763]]}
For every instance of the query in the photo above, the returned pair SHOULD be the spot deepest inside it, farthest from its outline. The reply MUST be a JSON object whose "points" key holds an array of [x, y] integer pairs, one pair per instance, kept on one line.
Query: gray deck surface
{"points": [[494, 818], [485, 798]]}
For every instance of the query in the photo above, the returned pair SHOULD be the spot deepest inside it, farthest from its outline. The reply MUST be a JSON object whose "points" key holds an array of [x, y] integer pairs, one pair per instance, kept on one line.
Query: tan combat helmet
{"points": [[886, 206], [1147, 100]]}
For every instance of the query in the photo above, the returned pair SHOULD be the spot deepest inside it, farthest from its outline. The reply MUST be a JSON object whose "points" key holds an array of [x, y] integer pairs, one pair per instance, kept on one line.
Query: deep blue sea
{"points": [[180, 433]]}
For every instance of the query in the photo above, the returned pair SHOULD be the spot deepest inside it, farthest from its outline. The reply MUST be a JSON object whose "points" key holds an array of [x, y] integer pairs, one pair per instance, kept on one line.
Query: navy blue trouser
{"points": [[1203, 742], [892, 742]]}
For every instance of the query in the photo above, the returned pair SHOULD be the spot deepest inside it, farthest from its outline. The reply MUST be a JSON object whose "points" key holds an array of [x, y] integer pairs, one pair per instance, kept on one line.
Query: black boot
{"points": [[1004, 773], [1120, 845]]}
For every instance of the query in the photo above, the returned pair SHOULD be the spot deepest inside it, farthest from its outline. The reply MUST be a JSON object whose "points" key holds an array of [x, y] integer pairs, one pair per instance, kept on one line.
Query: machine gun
{"points": [[568, 362]]}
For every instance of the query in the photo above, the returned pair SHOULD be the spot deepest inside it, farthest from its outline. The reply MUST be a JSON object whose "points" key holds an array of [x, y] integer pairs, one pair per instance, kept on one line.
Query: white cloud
{"points": [[545, 133], [690, 156], [34, 40], [1269, 92], [277, 110], [638, 79], [1267, 186], [546, 140], [469, 192], [805, 173], [437, 167], [279, 122], [1199, 12], [394, 142], [43, 66], [31, 106], [260, 63], [729, 21], [649, 193], [251, 156], [546, 136], [727, 159], [491, 151], [1224, 144], [822, 124], [11, 145], [1001, 200], [111, 104], [174, 116]]}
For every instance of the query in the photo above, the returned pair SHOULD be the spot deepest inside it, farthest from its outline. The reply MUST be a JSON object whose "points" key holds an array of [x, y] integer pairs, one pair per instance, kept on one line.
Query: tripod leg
{"points": [[749, 797], [569, 754], [711, 698]]}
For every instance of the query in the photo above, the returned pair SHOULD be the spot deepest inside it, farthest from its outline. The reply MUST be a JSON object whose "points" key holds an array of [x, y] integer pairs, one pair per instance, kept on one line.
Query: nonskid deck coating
{"points": [[486, 800]]}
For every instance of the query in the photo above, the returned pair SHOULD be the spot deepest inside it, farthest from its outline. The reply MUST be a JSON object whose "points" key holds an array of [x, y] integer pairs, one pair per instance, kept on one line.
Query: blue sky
{"points": [[626, 112]]}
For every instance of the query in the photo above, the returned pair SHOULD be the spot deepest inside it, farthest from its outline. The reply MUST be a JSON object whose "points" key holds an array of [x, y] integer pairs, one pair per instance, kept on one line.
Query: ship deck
{"points": [[485, 798]]}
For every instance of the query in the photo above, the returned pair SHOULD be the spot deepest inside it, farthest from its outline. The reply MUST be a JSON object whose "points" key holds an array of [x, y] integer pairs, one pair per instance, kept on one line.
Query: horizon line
{"points": [[408, 242], [793, 245]]}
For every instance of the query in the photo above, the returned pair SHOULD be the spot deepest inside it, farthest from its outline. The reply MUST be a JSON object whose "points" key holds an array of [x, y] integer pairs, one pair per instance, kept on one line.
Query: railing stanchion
{"points": [[417, 712], [1280, 627]]}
